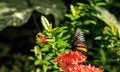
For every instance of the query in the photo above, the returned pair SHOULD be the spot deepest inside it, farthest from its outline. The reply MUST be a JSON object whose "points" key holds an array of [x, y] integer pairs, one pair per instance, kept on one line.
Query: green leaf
{"points": [[72, 10], [45, 67], [65, 37], [36, 49], [86, 31], [47, 7], [58, 30], [45, 23], [69, 15], [108, 18], [101, 4], [103, 56], [60, 34], [49, 57], [38, 70], [14, 13], [89, 22], [81, 4], [45, 48], [37, 62], [98, 38]]}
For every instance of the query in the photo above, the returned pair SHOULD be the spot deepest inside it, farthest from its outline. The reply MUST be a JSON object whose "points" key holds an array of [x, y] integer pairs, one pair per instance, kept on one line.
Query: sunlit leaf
{"points": [[50, 27], [45, 48], [101, 4], [45, 23], [72, 10], [38, 70], [36, 49], [59, 35], [98, 38], [89, 22], [37, 62], [108, 18], [58, 30]]}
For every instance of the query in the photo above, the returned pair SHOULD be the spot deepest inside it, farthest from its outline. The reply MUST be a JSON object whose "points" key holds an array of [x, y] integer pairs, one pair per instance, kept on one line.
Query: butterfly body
{"points": [[79, 42]]}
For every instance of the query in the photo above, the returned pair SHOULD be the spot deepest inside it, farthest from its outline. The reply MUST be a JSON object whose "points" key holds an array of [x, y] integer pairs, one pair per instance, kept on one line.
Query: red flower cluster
{"points": [[72, 58], [82, 68], [72, 62], [42, 38]]}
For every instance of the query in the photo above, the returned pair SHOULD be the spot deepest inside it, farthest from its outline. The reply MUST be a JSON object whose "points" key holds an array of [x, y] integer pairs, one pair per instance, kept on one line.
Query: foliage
{"points": [[13, 62], [98, 19], [104, 33], [16, 13], [51, 43]]}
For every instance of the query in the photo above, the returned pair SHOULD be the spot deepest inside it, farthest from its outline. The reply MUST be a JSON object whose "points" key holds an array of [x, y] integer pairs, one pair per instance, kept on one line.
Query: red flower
{"points": [[42, 38], [72, 62], [69, 59], [82, 68]]}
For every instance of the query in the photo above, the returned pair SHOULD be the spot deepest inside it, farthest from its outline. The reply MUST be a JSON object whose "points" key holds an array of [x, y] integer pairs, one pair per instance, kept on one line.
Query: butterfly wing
{"points": [[79, 42]]}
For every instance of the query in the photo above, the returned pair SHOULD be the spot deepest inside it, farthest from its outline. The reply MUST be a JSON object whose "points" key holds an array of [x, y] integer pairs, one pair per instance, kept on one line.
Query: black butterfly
{"points": [[79, 42]]}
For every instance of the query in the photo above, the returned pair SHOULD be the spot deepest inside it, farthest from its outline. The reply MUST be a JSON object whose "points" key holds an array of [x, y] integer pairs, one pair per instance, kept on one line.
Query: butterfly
{"points": [[79, 42]]}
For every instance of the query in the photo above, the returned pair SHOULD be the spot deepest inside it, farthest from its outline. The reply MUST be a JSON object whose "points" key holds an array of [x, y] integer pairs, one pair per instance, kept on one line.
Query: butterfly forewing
{"points": [[79, 35]]}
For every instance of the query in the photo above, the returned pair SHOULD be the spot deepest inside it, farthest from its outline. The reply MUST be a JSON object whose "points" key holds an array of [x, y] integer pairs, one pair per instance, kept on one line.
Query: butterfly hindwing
{"points": [[79, 41]]}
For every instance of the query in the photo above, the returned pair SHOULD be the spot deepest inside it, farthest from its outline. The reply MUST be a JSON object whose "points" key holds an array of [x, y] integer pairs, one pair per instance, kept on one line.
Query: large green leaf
{"points": [[108, 18], [14, 13], [54, 7], [17, 12]]}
